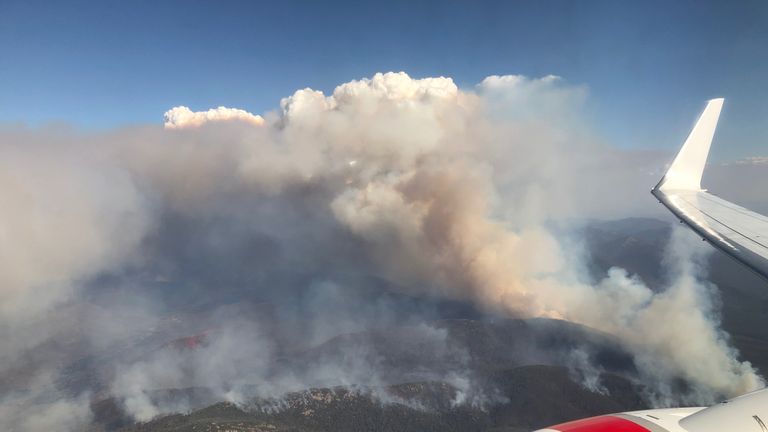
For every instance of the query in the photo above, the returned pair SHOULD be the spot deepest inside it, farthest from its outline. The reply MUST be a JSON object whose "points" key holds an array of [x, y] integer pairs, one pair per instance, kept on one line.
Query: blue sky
{"points": [[649, 65]]}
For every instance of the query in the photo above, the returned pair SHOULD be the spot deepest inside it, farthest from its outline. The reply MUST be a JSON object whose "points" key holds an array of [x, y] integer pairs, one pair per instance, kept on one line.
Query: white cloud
{"points": [[752, 160], [397, 86], [183, 117], [511, 81]]}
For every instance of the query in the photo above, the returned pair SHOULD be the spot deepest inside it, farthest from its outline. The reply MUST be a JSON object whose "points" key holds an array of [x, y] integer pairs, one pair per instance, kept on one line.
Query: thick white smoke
{"points": [[181, 116], [43, 408], [437, 190], [66, 216]]}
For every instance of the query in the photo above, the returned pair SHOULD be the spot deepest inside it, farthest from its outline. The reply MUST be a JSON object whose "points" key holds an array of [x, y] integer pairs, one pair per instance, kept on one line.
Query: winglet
{"points": [[688, 166]]}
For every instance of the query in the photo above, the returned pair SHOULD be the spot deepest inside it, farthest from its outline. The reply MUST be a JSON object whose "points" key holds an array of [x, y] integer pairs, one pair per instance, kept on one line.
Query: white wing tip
{"points": [[687, 168]]}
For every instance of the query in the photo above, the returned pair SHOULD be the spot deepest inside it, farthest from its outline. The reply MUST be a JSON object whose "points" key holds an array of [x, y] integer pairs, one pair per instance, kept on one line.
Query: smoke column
{"points": [[438, 191]]}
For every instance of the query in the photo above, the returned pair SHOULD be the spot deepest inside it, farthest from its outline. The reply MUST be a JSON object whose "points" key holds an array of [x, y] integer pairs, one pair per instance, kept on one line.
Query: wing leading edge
{"points": [[739, 232]]}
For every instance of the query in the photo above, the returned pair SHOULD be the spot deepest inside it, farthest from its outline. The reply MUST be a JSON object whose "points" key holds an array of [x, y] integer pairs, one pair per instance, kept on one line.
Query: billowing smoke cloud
{"points": [[66, 217], [182, 116], [327, 210], [44, 407]]}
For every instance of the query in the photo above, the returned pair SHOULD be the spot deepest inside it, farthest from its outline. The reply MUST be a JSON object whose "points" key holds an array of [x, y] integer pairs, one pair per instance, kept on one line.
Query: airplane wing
{"points": [[740, 233]]}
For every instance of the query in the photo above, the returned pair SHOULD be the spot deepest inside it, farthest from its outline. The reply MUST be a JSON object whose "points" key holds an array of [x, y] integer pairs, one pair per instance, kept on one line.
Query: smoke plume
{"points": [[319, 218], [181, 116]]}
